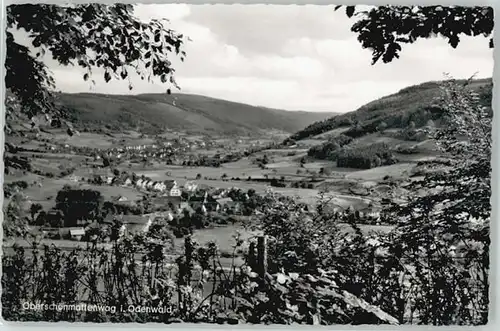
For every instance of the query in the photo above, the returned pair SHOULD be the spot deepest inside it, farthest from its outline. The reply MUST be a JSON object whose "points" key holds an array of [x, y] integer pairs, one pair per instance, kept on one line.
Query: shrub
{"points": [[408, 150]]}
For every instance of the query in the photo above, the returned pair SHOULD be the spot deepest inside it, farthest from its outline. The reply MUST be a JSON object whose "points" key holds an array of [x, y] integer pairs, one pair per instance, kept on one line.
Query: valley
{"points": [[117, 164]]}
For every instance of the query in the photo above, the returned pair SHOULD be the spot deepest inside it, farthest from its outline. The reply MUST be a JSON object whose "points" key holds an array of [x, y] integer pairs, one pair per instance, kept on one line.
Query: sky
{"points": [[288, 57]]}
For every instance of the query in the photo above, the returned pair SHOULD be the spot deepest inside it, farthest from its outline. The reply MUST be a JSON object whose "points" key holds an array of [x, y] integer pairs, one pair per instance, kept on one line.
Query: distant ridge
{"points": [[154, 113]]}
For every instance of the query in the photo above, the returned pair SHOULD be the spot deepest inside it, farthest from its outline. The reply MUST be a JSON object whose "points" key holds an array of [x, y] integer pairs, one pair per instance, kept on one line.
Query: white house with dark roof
{"points": [[190, 186], [77, 234], [172, 188], [136, 223], [159, 186]]}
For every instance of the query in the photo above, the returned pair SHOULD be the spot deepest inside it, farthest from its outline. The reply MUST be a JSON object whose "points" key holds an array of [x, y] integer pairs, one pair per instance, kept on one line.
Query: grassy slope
{"points": [[396, 109], [194, 113]]}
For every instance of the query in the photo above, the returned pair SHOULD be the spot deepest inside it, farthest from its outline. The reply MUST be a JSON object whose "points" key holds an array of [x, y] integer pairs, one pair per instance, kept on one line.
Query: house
{"points": [[184, 205], [121, 198], [142, 183], [172, 188], [74, 178], [159, 186], [135, 223], [77, 234], [224, 204], [49, 232], [190, 186], [73, 233]]}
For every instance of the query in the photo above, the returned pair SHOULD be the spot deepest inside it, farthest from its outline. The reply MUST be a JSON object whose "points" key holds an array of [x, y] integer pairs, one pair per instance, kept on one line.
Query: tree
{"points": [[78, 204], [430, 124], [325, 171], [15, 222], [34, 209], [89, 36], [454, 215], [381, 127], [384, 29], [41, 218]]}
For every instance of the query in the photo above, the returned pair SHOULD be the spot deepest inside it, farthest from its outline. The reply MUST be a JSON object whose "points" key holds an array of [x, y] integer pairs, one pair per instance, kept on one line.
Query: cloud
{"points": [[173, 12], [288, 56], [266, 28]]}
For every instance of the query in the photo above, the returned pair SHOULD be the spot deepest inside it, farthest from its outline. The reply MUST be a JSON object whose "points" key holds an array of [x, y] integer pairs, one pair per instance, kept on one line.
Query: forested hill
{"points": [[411, 104], [152, 113]]}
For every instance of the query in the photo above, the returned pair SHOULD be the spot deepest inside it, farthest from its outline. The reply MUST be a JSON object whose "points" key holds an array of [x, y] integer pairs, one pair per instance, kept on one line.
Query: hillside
{"points": [[411, 104], [153, 113]]}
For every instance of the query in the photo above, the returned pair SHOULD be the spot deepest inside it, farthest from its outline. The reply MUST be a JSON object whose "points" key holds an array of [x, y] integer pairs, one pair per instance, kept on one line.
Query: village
{"points": [[187, 184]]}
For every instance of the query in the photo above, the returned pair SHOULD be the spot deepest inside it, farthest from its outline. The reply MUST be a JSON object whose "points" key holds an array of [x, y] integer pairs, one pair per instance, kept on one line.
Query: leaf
{"points": [[281, 288], [124, 74], [337, 7], [281, 279], [107, 76], [244, 302], [350, 11], [453, 41], [358, 302], [86, 77], [311, 278]]}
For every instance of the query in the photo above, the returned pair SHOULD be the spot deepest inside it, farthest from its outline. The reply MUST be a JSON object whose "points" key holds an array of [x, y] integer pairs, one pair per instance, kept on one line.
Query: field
{"points": [[400, 170]]}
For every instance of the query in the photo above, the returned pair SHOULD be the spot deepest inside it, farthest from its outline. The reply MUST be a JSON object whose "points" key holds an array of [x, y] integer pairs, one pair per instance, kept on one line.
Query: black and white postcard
{"points": [[247, 164]]}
